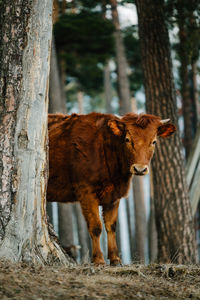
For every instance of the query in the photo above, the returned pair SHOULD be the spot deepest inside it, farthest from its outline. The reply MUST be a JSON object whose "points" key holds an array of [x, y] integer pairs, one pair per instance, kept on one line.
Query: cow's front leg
{"points": [[110, 213], [90, 211]]}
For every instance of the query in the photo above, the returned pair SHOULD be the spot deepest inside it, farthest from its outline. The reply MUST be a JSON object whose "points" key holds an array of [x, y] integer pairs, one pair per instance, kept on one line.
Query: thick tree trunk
{"points": [[25, 33], [122, 66], [176, 238]]}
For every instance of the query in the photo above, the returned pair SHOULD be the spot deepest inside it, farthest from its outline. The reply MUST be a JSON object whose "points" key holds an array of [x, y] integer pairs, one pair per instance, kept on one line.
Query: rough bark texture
{"points": [[25, 33], [176, 239], [122, 66]]}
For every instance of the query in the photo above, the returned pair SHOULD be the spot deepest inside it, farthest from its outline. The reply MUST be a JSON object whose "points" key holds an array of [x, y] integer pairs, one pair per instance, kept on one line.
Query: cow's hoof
{"points": [[116, 263], [99, 262]]}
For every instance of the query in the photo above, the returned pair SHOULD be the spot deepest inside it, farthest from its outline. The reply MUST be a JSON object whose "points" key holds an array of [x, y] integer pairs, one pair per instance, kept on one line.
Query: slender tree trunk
{"points": [[140, 218], [83, 235], [176, 238], [107, 80], [80, 102], [57, 103], [152, 232], [107, 88], [122, 66], [129, 210], [195, 96], [65, 224], [24, 60], [184, 78]]}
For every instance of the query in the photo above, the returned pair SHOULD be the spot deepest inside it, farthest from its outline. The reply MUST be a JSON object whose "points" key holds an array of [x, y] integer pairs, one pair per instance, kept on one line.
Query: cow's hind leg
{"points": [[110, 213], [90, 209]]}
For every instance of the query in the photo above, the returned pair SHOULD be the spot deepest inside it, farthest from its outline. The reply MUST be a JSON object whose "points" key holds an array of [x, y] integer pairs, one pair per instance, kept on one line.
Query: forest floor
{"points": [[20, 281]]}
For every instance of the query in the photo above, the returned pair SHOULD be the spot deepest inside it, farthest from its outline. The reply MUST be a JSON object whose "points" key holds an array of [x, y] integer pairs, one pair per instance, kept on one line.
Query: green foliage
{"points": [[85, 42], [84, 34]]}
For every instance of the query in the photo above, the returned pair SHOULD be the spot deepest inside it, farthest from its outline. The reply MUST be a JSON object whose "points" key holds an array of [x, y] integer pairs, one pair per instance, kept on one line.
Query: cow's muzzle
{"points": [[139, 170]]}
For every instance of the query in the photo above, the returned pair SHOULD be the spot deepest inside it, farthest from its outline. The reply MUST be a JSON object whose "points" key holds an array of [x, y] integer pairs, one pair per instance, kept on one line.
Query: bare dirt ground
{"points": [[20, 281]]}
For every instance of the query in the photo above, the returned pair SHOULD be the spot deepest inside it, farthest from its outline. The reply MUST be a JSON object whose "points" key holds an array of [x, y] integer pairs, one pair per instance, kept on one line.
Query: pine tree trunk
{"points": [[25, 38], [122, 66], [176, 238]]}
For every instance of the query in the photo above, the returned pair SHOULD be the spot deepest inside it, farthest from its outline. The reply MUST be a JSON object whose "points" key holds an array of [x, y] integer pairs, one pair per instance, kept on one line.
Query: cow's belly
{"points": [[58, 191]]}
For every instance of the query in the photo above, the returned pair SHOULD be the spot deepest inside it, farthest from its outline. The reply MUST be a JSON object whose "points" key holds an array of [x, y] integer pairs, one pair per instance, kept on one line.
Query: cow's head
{"points": [[139, 134]]}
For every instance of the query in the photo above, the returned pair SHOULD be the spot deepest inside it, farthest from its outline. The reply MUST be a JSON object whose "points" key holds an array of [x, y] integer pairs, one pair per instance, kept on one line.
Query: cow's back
{"points": [[75, 149]]}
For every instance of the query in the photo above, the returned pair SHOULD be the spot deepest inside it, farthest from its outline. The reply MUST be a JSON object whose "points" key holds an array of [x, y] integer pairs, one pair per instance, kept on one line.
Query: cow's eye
{"points": [[127, 140], [154, 142]]}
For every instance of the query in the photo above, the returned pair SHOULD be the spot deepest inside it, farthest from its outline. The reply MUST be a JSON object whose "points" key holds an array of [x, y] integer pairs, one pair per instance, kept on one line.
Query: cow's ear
{"points": [[117, 127], [166, 130]]}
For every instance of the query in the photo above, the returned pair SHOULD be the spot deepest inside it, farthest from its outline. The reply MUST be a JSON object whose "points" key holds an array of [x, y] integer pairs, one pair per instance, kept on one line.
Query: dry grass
{"points": [[19, 281]]}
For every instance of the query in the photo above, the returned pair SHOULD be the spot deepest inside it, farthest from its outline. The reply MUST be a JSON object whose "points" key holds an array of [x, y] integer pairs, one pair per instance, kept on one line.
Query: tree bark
{"points": [[122, 66], [25, 33], [176, 238]]}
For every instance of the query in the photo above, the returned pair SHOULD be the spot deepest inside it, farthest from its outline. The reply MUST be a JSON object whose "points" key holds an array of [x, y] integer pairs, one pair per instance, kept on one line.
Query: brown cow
{"points": [[92, 159]]}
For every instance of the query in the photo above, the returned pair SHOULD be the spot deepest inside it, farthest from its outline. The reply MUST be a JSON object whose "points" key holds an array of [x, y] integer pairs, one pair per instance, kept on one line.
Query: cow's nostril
{"points": [[140, 170]]}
